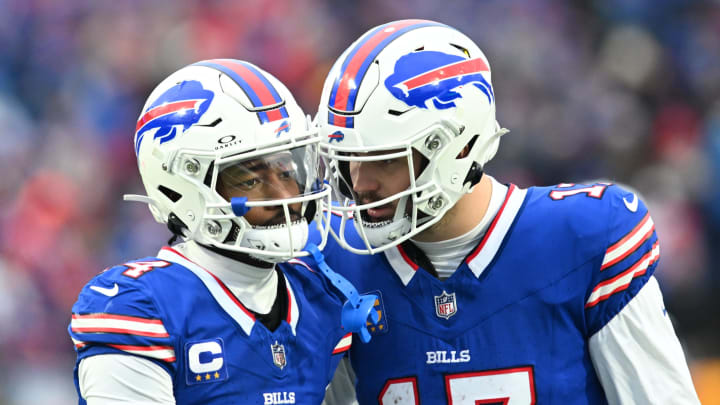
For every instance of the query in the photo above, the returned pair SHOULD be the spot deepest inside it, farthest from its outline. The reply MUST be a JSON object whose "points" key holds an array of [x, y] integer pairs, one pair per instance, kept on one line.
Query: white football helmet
{"points": [[413, 91], [221, 140]]}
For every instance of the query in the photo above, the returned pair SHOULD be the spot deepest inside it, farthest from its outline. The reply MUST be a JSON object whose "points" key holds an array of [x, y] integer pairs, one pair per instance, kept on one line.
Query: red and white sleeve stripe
{"points": [[164, 353], [79, 344], [621, 282], [344, 344], [119, 324], [629, 243]]}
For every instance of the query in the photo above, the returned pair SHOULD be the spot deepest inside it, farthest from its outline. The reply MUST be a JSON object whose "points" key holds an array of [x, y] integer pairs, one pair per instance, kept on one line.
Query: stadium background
{"points": [[615, 89]]}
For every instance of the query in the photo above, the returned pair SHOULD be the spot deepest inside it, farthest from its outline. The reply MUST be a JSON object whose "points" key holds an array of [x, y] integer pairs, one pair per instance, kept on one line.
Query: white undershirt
{"points": [[638, 357], [447, 255], [254, 287]]}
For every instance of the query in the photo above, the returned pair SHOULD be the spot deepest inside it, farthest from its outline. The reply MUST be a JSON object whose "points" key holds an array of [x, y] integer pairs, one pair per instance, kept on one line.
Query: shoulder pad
{"points": [[116, 309], [629, 258]]}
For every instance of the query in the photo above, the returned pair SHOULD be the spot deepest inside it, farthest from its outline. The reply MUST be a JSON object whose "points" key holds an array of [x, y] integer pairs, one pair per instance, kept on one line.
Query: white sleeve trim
{"points": [[112, 379], [638, 357]]}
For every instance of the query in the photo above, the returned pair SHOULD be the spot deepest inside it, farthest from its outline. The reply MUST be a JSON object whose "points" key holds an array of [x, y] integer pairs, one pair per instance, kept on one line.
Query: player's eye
{"points": [[389, 162], [247, 184], [287, 174]]}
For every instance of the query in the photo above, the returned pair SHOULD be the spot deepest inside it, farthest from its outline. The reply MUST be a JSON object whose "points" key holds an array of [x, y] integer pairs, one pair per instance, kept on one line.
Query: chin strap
{"points": [[358, 308]]}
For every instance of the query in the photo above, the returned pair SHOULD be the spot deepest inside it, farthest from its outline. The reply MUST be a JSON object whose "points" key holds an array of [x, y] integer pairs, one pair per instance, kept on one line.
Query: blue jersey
{"points": [[513, 322], [172, 311]]}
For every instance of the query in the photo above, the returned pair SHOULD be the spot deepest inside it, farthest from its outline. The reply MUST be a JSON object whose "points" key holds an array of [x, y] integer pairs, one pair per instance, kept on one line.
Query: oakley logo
{"points": [[226, 139]]}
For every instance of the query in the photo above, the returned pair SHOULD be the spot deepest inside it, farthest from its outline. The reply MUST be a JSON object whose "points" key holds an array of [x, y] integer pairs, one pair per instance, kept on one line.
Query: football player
{"points": [[488, 293], [229, 162]]}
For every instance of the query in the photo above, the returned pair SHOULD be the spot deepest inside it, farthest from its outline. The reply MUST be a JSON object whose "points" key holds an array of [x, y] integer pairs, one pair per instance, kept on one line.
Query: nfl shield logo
{"points": [[278, 353], [445, 305]]}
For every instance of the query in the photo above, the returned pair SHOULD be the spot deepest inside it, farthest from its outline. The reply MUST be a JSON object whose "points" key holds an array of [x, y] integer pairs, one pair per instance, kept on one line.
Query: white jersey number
{"points": [[512, 386], [595, 191]]}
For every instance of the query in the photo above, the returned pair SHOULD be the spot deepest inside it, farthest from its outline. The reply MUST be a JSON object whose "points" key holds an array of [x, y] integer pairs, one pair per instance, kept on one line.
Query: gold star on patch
{"points": [[207, 376], [198, 378]]}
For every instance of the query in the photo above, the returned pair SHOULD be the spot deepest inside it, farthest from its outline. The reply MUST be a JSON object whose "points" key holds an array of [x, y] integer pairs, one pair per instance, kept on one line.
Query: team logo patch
{"points": [[430, 75], [381, 326], [205, 361], [278, 355], [175, 110], [336, 136], [445, 305]]}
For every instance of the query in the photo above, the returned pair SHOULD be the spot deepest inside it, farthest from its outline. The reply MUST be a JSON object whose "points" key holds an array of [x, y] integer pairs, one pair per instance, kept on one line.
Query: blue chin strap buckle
{"points": [[358, 308], [238, 206]]}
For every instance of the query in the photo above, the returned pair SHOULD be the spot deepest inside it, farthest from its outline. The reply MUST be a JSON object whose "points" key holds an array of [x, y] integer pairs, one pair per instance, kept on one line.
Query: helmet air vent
{"points": [[212, 124], [468, 147], [462, 49], [398, 113], [174, 196]]}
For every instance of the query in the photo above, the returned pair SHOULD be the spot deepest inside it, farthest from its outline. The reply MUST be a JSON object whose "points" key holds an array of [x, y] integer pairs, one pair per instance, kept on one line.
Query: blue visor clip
{"points": [[238, 206]]}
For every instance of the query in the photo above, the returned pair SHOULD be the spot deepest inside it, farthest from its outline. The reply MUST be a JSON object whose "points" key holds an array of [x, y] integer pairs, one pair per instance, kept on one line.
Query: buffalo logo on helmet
{"points": [[176, 109], [431, 75], [336, 136], [284, 127]]}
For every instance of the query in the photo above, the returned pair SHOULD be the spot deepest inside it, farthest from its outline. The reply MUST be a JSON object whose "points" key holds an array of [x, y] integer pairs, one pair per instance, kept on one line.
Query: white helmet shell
{"points": [[211, 115], [409, 85]]}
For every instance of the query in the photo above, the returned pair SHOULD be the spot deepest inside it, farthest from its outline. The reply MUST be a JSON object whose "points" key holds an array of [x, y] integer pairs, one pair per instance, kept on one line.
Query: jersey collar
{"points": [[229, 303], [489, 246], [486, 250]]}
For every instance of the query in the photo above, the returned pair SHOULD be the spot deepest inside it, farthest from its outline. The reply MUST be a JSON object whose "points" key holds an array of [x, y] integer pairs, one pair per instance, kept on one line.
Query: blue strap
{"points": [[358, 308], [238, 206]]}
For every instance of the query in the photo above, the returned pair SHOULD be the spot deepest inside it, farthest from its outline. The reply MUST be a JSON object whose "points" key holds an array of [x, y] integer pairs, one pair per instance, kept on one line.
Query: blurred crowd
{"points": [[626, 91]]}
